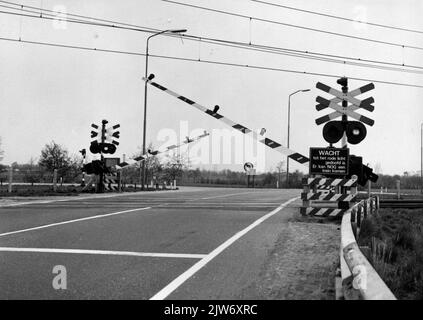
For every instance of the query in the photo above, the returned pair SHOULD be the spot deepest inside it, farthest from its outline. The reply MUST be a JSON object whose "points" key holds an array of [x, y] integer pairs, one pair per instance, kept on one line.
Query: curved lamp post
{"points": [[145, 95], [289, 120]]}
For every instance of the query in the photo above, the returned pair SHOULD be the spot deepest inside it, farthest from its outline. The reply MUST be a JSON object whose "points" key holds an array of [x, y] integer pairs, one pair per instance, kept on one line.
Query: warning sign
{"points": [[327, 161]]}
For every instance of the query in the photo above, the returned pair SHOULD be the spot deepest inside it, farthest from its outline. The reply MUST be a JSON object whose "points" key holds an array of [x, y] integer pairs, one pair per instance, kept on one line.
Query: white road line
{"points": [[105, 252], [166, 291], [229, 195], [85, 198], [72, 221]]}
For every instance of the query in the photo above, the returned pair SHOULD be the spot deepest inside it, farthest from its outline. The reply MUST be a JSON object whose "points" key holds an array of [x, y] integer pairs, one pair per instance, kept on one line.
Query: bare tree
{"points": [[279, 167], [175, 166]]}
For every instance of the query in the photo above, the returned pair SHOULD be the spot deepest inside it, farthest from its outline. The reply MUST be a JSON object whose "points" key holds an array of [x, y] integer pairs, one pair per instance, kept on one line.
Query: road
{"points": [[195, 243]]}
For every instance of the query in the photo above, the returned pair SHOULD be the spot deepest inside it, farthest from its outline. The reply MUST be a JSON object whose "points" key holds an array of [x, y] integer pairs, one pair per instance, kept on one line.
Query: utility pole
{"points": [[421, 159], [103, 140], [344, 83], [84, 156]]}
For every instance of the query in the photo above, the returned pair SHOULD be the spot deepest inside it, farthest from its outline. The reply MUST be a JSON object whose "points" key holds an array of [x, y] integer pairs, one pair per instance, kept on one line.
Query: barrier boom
{"points": [[144, 157], [213, 113]]}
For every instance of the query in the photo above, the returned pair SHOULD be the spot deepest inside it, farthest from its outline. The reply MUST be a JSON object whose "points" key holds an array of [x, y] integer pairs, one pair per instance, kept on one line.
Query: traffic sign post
{"points": [[250, 171], [329, 161]]}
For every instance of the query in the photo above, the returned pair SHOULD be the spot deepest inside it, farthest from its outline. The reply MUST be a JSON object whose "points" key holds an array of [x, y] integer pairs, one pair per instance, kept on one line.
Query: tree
{"points": [[31, 172], [54, 156], [280, 167], [174, 167]]}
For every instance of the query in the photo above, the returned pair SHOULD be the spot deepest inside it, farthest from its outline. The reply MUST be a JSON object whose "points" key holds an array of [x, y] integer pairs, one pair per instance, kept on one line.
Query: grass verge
{"points": [[395, 239]]}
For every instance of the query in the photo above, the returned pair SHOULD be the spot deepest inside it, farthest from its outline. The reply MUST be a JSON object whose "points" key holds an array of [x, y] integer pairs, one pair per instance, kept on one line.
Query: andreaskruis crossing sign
{"points": [[347, 97]]}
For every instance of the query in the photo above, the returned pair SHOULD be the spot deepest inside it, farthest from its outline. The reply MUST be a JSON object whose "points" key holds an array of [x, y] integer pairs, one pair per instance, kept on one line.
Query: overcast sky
{"points": [[49, 93]]}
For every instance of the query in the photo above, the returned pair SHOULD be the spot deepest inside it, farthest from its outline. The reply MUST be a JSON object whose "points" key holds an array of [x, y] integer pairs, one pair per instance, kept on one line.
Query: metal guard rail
{"points": [[359, 278]]}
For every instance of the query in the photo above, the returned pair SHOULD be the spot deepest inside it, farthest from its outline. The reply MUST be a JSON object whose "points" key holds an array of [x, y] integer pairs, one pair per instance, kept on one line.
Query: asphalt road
{"points": [[196, 243]]}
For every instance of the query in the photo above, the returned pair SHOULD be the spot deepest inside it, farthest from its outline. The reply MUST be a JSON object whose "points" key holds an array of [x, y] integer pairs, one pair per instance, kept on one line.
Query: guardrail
{"points": [[359, 278]]}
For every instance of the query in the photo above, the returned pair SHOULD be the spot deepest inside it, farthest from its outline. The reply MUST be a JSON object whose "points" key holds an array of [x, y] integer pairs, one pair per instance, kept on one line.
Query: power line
{"points": [[111, 23], [339, 17], [55, 18], [132, 27], [296, 26], [239, 45], [222, 63]]}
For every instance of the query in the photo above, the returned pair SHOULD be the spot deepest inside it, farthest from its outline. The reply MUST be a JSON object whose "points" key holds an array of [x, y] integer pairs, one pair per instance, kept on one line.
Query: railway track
{"points": [[403, 203]]}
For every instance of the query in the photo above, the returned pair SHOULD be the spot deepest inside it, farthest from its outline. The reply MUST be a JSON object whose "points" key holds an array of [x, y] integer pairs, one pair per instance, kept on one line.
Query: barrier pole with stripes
{"points": [[213, 113]]}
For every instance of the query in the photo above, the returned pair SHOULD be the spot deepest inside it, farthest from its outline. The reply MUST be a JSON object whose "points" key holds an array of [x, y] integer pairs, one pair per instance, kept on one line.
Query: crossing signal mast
{"points": [[105, 142], [352, 132]]}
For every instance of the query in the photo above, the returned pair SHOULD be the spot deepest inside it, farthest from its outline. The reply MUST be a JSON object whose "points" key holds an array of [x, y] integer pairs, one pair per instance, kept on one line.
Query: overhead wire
{"points": [[241, 45], [222, 63], [380, 25], [295, 25]]}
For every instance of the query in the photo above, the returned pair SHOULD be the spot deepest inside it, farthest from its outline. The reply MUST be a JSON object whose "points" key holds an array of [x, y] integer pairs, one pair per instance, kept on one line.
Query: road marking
{"points": [[81, 198], [166, 291], [72, 221], [105, 252], [113, 196], [228, 195]]}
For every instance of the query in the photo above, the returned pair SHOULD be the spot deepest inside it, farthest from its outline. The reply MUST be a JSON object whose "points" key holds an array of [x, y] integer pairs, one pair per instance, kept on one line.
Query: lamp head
{"points": [[178, 30]]}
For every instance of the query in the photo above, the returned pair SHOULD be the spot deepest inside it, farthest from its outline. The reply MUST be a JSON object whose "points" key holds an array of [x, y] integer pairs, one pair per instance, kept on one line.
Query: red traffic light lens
{"points": [[333, 131]]}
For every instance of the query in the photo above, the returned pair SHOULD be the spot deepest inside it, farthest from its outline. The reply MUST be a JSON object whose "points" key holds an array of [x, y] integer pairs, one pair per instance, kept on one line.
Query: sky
{"points": [[49, 93]]}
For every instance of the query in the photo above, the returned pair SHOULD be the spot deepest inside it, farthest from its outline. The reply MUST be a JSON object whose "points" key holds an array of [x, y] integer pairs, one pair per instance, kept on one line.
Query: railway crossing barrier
{"points": [[358, 280], [112, 182], [324, 197]]}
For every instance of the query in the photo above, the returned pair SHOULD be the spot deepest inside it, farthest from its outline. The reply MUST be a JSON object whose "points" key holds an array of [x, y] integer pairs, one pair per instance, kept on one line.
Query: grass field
{"points": [[395, 239], [38, 190]]}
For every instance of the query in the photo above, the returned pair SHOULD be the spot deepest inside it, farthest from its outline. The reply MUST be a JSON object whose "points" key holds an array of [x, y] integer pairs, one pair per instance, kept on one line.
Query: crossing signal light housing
{"points": [[363, 172], [369, 175], [108, 148], [342, 81], [333, 131], [95, 167], [356, 132], [95, 147]]}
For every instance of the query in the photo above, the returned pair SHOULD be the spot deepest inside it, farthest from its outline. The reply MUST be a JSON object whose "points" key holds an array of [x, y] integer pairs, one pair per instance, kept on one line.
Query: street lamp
{"points": [[289, 120], [145, 95], [421, 158]]}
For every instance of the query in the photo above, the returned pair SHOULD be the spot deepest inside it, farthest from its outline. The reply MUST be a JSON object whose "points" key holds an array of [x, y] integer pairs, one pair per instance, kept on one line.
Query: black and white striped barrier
{"points": [[111, 182], [331, 204], [359, 280], [214, 113], [132, 162]]}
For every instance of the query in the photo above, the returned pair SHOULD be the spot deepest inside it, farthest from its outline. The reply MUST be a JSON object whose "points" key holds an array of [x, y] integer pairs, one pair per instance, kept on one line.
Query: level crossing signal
{"points": [[105, 141], [355, 131]]}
